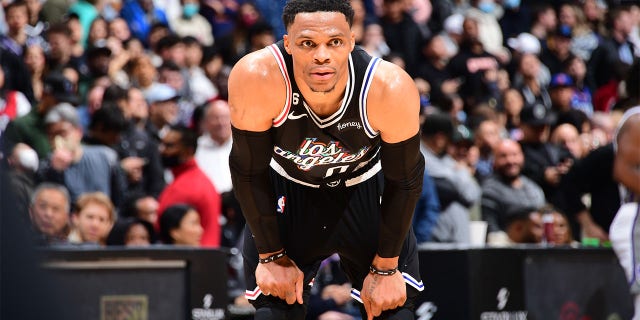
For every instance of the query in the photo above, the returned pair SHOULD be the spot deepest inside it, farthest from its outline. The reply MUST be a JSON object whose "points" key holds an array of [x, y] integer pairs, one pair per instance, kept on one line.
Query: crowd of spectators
{"points": [[114, 126]]}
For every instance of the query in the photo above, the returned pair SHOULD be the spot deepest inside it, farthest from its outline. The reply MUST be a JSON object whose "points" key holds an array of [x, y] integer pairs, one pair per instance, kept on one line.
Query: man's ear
{"points": [[287, 43]]}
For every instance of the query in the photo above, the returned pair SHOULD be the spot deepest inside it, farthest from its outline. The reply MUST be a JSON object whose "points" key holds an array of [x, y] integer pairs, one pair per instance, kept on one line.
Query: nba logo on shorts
{"points": [[281, 202]]}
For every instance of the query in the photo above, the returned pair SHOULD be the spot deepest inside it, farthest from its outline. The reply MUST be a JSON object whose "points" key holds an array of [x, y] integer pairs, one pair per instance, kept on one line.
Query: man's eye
{"points": [[336, 42], [307, 44]]}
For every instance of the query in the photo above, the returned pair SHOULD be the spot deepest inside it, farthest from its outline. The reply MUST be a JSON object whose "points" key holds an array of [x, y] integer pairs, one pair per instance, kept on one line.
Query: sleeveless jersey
{"points": [[338, 150]]}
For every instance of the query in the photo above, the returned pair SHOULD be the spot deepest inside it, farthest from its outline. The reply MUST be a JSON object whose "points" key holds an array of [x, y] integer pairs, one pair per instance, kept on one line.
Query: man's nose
{"points": [[321, 55]]}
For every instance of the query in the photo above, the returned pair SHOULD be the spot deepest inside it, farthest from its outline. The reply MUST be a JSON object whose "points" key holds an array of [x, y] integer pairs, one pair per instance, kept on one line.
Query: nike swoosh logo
{"points": [[296, 117]]}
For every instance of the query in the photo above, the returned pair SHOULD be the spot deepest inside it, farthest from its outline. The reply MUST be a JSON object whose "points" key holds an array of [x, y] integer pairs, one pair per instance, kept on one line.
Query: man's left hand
{"points": [[380, 293]]}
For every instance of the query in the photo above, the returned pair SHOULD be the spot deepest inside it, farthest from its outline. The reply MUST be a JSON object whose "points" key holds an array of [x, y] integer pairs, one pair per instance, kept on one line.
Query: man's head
{"points": [[568, 136], [137, 104], [437, 132], [63, 127], [56, 88], [60, 43], [524, 225], [49, 210], [163, 105], [217, 121], [561, 89], [178, 146], [107, 124], [319, 38], [94, 217], [17, 15], [535, 122], [508, 159], [487, 136]]}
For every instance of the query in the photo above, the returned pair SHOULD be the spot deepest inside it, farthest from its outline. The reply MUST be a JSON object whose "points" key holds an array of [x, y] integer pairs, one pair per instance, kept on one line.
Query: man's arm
{"points": [[257, 96], [393, 110]]}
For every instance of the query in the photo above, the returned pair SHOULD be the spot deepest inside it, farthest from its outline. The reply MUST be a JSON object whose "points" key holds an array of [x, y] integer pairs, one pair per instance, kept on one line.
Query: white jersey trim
{"points": [[364, 93], [279, 120]]}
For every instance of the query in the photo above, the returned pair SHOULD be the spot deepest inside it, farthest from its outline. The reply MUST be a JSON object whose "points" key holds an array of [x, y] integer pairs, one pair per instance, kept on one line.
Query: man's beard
{"points": [[322, 91]]}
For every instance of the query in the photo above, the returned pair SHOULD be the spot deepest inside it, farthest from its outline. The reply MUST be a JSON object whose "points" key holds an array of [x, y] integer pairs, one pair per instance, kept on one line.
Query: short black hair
{"points": [[437, 122], [108, 118], [188, 137], [120, 229], [293, 7], [114, 93], [170, 220]]}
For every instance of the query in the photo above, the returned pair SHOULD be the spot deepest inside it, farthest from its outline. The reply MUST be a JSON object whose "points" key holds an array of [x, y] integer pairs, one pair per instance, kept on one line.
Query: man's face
{"points": [[147, 209], [137, 104], [320, 43], [68, 133], [561, 97], [509, 159], [218, 121], [59, 45], [50, 212], [172, 152], [17, 18], [93, 222], [164, 112], [535, 229]]}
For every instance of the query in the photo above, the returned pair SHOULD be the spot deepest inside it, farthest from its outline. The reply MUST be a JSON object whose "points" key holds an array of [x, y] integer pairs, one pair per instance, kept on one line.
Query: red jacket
{"points": [[191, 186]]}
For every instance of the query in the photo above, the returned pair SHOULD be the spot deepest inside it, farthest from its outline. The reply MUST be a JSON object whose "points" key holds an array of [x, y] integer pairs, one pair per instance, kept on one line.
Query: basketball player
{"points": [[325, 159], [624, 232]]}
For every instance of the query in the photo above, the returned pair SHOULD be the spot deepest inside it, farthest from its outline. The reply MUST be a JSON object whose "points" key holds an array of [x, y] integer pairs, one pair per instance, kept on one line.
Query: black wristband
{"points": [[273, 257], [391, 272]]}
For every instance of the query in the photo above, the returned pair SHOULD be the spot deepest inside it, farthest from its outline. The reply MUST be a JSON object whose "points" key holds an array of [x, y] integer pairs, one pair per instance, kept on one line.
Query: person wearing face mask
{"points": [[191, 23], [487, 13], [190, 185]]}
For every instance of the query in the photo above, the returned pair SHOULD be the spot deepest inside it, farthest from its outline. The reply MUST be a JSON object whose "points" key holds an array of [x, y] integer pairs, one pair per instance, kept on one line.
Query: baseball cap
{"points": [[63, 112], [564, 31], [160, 92], [60, 88], [536, 115], [525, 43], [453, 23], [462, 134], [559, 80]]}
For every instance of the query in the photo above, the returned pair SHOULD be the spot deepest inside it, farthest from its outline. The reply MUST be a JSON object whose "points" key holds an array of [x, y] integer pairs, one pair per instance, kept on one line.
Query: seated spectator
{"points": [[143, 207], [331, 294], [30, 128], [180, 225], [562, 234], [427, 210], [80, 168], [49, 212], [457, 189], [487, 137], [567, 136], [214, 145], [191, 23], [190, 186], [163, 107], [93, 219], [525, 226], [131, 232], [544, 163], [507, 190]]}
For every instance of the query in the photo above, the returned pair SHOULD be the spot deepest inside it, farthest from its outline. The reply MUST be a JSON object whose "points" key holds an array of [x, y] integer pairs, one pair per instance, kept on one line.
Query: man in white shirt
{"points": [[214, 145]]}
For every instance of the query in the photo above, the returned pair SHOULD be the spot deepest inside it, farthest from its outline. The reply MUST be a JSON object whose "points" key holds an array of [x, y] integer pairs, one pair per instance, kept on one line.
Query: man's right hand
{"points": [[281, 278]]}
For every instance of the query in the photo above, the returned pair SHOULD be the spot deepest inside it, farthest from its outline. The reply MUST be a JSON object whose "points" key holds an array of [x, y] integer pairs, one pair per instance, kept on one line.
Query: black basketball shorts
{"points": [[318, 222]]}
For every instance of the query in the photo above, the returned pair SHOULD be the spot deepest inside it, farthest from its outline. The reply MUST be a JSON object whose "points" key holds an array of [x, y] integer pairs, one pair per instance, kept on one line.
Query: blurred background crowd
{"points": [[115, 130]]}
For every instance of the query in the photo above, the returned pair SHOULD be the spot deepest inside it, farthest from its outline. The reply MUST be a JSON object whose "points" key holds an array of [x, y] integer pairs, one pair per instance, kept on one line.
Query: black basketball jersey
{"points": [[340, 149]]}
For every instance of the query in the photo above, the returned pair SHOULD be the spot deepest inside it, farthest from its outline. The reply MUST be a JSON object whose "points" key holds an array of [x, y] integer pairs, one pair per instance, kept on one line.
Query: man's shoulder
{"points": [[258, 64]]}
